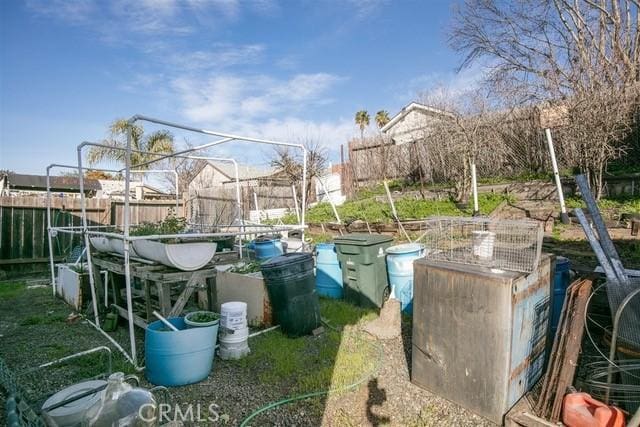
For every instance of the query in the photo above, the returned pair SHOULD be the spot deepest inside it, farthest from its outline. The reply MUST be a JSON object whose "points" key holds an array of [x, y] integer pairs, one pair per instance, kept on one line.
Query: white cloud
{"points": [[75, 12], [221, 55], [366, 8], [221, 98]]}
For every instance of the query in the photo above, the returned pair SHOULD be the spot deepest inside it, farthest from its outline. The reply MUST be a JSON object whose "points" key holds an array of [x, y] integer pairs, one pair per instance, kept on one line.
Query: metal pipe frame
{"points": [[126, 214]]}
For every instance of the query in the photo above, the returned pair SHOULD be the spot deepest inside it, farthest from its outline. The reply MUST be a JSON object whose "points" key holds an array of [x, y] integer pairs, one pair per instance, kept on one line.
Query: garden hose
{"points": [[288, 400]]}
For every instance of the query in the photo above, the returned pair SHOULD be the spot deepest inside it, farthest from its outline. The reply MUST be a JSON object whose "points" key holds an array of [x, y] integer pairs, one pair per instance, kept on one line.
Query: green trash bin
{"points": [[364, 271]]}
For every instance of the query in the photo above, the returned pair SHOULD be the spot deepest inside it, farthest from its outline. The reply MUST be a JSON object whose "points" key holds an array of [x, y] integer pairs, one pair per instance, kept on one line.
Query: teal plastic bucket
{"points": [[175, 358], [400, 270], [266, 248], [328, 271]]}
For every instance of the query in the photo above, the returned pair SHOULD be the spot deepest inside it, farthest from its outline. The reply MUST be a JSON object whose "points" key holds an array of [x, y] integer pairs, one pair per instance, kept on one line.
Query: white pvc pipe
{"points": [[127, 243], [295, 202], [255, 201], [474, 186], [51, 263], [333, 206], [552, 153], [87, 245], [126, 216], [116, 345], [165, 321]]}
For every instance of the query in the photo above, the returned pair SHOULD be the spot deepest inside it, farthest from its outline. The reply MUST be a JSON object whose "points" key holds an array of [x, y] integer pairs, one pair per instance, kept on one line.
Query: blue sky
{"points": [[289, 70]]}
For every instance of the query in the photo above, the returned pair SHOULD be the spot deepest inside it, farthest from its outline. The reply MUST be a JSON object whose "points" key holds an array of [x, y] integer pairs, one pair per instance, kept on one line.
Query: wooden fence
{"points": [[23, 224]]}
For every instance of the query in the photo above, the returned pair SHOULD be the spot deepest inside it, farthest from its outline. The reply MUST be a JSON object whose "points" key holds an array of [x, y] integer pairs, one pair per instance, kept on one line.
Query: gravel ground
{"points": [[389, 398], [34, 329]]}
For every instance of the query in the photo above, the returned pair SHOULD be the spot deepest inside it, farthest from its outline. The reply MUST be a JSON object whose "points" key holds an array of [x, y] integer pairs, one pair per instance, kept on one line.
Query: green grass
{"points": [[9, 290], [338, 357], [375, 211], [619, 205]]}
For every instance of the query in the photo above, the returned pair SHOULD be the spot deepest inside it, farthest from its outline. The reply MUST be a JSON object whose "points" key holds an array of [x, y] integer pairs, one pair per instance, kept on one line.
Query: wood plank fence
{"points": [[23, 224]]}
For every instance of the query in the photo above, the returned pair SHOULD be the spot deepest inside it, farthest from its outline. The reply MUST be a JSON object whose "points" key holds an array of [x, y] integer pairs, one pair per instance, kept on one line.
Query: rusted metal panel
{"points": [[479, 334]]}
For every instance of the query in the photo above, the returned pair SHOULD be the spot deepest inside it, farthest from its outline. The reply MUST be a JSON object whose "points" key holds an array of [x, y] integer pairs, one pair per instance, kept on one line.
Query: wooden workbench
{"points": [[159, 287]]}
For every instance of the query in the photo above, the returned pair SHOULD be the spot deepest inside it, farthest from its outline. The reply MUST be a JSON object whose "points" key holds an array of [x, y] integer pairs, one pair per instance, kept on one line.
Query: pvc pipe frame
{"points": [[126, 214]]}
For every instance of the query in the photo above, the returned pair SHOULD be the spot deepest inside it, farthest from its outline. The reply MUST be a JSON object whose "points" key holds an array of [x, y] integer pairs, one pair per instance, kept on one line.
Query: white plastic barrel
{"points": [[233, 315], [483, 242]]}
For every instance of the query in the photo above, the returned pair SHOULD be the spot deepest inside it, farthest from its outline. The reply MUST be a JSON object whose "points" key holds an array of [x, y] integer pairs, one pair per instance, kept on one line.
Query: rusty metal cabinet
{"points": [[479, 334]]}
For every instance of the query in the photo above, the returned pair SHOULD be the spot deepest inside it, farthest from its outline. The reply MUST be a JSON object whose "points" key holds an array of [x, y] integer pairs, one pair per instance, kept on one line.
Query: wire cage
{"points": [[504, 244]]}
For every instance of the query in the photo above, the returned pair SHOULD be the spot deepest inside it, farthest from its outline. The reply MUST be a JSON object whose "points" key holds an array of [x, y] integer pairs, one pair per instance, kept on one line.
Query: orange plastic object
{"points": [[582, 410]]}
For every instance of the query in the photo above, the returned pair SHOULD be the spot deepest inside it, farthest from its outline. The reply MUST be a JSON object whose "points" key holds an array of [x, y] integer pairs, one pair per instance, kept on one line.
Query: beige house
{"points": [[217, 174], [412, 123]]}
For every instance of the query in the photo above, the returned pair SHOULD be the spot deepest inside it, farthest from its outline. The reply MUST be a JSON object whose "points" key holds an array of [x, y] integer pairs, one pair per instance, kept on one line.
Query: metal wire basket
{"points": [[504, 244]]}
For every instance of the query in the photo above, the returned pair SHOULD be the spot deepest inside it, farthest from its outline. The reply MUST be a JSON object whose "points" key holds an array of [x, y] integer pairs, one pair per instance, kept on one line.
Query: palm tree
{"points": [[382, 118], [159, 142], [362, 120]]}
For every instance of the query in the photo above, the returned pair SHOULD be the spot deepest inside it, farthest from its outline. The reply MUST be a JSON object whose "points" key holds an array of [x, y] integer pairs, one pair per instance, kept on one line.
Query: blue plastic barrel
{"points": [[175, 358], [400, 269], [328, 271], [267, 248], [560, 284]]}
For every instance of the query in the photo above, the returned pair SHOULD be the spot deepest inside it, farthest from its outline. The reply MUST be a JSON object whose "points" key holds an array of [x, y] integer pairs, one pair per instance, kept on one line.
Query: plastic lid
{"points": [[362, 239], [405, 248], [282, 260]]}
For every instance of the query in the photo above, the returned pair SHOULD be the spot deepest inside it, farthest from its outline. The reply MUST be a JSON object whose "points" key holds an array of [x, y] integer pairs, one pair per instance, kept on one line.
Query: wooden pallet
{"points": [[163, 288]]}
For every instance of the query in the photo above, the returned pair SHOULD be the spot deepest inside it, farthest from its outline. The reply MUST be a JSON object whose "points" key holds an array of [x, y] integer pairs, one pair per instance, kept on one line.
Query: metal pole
{"points": [[51, 263], [474, 185], [563, 209], [295, 202], [87, 244]]}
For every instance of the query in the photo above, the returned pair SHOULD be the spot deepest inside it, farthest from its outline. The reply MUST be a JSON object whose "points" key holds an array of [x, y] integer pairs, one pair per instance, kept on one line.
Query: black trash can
{"points": [[292, 291]]}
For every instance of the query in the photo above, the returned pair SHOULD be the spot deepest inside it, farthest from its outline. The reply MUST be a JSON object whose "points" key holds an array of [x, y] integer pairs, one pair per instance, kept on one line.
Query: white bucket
{"points": [[233, 315], [235, 345], [483, 242]]}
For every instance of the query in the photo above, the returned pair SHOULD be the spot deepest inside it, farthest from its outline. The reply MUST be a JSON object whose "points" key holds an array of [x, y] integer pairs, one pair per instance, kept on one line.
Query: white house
{"points": [[412, 122]]}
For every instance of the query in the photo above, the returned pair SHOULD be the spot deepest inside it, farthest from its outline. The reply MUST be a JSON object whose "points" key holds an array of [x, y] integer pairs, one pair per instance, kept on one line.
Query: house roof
{"points": [[58, 183], [244, 171], [414, 106]]}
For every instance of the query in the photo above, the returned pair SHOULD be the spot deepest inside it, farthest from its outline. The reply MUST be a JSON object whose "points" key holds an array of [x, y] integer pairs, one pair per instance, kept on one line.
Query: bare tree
{"points": [[583, 55], [289, 163], [187, 170]]}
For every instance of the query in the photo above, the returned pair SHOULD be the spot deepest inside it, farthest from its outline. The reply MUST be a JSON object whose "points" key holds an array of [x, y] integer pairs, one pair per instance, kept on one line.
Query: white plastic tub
{"points": [[101, 243], [185, 256], [117, 246]]}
